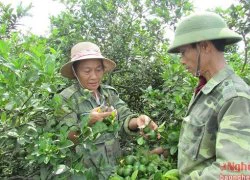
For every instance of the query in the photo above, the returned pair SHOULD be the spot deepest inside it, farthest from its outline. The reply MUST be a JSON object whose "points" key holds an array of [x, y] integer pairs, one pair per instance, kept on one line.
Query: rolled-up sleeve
{"points": [[124, 113]]}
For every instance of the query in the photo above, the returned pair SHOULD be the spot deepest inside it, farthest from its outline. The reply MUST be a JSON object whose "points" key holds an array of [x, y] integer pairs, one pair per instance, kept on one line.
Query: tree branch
{"points": [[246, 52]]}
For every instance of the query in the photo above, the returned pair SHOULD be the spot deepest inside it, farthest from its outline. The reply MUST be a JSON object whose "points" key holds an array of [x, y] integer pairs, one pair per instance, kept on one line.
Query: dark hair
{"points": [[75, 64], [219, 44]]}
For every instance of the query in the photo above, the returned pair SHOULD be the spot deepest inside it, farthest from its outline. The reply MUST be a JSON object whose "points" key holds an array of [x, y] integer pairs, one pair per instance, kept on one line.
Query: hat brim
{"points": [[67, 72], [205, 35]]}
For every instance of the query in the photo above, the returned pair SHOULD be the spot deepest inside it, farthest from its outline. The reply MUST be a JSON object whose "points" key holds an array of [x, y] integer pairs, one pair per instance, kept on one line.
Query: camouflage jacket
{"points": [[75, 96], [215, 136], [107, 145]]}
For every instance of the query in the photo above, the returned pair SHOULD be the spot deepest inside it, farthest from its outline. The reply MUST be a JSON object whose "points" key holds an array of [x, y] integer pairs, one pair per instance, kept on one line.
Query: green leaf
{"points": [[3, 116], [31, 129], [175, 78], [173, 150], [46, 86], [140, 141], [61, 169], [134, 175], [66, 144], [81, 150], [44, 173], [79, 167], [157, 176], [169, 177], [116, 177], [13, 133], [99, 127], [46, 160], [161, 128], [21, 141], [4, 48], [172, 172], [84, 120], [50, 65], [9, 106]]}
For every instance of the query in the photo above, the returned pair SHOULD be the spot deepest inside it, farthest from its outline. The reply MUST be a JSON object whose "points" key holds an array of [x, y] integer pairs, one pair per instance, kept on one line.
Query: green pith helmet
{"points": [[200, 27]]}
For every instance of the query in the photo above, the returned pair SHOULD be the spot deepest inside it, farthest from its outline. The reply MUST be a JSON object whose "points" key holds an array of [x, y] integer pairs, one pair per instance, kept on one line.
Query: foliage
{"points": [[28, 83], [33, 145], [238, 18], [168, 103], [129, 32], [9, 18], [141, 165]]}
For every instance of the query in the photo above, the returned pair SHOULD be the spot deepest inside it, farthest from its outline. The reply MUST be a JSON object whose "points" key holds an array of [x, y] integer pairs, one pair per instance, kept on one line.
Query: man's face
{"points": [[189, 57], [90, 73]]}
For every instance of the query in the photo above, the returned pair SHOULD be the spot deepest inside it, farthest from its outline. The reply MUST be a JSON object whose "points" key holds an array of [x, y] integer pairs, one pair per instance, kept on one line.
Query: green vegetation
{"points": [[33, 145], [143, 165]]}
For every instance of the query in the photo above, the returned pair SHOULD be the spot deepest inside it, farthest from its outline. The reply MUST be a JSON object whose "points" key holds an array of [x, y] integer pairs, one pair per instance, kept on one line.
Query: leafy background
{"points": [[130, 32]]}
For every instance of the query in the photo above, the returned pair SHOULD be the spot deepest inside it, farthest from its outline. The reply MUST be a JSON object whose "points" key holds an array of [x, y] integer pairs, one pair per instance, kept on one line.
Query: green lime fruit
{"points": [[137, 163], [151, 168], [128, 171], [142, 168], [129, 166], [120, 171], [129, 160], [135, 168], [173, 136], [144, 160]]}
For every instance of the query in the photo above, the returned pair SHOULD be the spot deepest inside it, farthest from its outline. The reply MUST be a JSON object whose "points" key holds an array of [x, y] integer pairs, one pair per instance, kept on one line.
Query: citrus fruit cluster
{"points": [[141, 166], [132, 163]]}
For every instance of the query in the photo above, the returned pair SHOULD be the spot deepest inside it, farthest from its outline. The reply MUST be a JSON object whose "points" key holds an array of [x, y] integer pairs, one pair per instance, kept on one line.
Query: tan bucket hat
{"points": [[83, 51]]}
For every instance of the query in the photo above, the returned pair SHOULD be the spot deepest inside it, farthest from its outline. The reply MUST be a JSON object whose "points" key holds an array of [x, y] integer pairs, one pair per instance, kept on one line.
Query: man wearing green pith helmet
{"points": [[215, 134]]}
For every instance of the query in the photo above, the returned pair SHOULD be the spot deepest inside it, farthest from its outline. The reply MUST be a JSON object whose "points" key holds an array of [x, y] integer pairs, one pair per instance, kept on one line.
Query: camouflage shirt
{"points": [[215, 136], [107, 145], [75, 97]]}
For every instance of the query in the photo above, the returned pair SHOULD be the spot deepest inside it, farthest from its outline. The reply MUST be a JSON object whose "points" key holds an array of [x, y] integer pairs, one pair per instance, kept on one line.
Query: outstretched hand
{"points": [[144, 120], [141, 122]]}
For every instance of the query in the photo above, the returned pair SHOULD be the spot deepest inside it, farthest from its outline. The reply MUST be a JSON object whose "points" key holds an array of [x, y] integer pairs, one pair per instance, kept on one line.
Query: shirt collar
{"points": [[101, 90], [217, 79]]}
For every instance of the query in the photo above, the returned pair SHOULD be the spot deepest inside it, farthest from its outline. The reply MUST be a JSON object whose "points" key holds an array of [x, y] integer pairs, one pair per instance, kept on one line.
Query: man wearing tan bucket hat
{"points": [[215, 136], [87, 65]]}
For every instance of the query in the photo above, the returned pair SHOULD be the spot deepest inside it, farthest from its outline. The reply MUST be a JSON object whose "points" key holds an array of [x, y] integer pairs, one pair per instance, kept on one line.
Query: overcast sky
{"points": [[42, 9]]}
